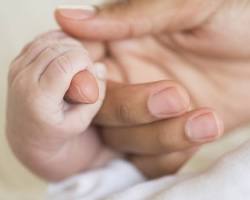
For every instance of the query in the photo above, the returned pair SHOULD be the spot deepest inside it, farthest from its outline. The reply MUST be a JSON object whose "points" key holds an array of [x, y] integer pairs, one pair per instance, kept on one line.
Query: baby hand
{"points": [[49, 135]]}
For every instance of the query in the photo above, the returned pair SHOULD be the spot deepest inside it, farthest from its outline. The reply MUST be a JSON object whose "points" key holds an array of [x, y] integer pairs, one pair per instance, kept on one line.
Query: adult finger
{"points": [[161, 165], [126, 105], [129, 18], [187, 131]]}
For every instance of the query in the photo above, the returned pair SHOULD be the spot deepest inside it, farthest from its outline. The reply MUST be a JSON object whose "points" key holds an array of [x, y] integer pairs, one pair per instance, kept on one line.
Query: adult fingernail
{"points": [[168, 102], [77, 12], [204, 128]]}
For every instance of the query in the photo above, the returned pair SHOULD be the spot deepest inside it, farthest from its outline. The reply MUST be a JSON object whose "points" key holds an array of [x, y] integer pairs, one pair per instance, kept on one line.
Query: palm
{"points": [[211, 61]]}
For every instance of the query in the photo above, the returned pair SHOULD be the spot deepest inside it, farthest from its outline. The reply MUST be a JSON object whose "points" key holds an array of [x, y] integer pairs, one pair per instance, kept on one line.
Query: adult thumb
{"points": [[133, 18]]}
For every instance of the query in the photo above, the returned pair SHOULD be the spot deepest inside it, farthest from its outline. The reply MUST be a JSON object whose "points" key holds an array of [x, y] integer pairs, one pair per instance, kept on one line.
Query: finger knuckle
{"points": [[11, 74], [21, 88], [36, 48], [64, 64], [52, 35], [51, 51], [165, 139], [124, 113], [40, 44], [57, 47], [43, 43]]}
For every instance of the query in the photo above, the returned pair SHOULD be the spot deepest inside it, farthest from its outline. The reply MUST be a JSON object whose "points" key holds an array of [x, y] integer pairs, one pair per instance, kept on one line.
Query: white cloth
{"points": [[227, 179]]}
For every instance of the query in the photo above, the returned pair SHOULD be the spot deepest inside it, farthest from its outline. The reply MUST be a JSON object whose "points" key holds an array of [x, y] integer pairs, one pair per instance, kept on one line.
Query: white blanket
{"points": [[227, 179]]}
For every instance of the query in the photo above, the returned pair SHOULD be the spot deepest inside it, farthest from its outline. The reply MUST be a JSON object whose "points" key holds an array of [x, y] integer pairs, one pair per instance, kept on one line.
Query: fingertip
{"points": [[204, 125], [74, 20], [83, 88], [168, 99], [77, 12], [95, 26]]}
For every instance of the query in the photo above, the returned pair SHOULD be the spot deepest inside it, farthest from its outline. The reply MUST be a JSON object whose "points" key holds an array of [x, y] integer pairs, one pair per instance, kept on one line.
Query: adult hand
{"points": [[196, 41], [152, 123], [181, 43]]}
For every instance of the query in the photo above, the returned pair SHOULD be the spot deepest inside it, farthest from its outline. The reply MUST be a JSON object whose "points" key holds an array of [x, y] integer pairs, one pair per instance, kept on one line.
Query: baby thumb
{"points": [[84, 88]]}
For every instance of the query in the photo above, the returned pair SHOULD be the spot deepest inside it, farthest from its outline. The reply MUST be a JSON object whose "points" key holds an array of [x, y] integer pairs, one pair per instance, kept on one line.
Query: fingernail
{"points": [[76, 12], [204, 127], [168, 102], [100, 71]]}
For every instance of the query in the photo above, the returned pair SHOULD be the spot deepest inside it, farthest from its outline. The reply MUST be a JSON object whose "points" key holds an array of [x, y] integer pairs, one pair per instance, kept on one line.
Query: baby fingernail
{"points": [[76, 12], [168, 102], [100, 71], [204, 127]]}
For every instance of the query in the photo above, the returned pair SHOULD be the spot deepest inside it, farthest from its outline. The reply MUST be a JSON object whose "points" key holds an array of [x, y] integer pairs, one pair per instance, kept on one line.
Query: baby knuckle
{"points": [[40, 44], [52, 51], [37, 47], [11, 75], [64, 64], [57, 48], [43, 43], [20, 88]]}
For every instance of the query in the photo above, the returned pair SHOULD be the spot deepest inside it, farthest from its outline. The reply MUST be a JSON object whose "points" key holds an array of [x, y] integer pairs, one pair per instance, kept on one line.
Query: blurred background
{"points": [[20, 22]]}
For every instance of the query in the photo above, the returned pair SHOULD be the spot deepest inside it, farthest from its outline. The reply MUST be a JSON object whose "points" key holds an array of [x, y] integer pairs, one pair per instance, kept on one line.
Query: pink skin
{"points": [[42, 128], [83, 88], [202, 44], [59, 140], [181, 46]]}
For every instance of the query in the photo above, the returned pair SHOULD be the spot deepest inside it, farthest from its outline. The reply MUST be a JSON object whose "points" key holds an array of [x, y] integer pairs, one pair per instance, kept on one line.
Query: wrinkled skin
{"points": [[209, 56], [51, 136], [205, 50]]}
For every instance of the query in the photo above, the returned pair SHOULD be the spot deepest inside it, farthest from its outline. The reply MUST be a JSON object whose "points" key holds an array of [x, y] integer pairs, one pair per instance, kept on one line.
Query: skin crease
{"points": [[43, 129], [83, 89], [59, 138], [190, 57], [186, 55], [208, 56]]}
